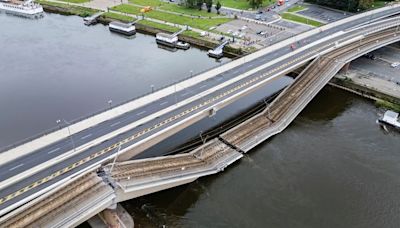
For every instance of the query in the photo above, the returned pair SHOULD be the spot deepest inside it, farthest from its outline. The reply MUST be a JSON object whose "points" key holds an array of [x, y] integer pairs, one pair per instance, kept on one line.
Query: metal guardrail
{"points": [[74, 121], [51, 130]]}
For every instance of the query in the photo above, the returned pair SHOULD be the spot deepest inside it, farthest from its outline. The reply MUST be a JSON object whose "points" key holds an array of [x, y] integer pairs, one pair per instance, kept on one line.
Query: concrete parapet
{"points": [[144, 176], [69, 206], [280, 113], [51, 137]]}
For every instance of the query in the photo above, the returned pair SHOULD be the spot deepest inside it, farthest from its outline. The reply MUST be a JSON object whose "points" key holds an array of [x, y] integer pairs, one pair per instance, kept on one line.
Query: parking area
{"points": [[260, 35], [323, 14], [380, 63]]}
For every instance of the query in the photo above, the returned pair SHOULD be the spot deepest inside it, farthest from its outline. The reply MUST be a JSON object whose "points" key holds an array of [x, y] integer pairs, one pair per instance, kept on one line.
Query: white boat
{"points": [[127, 29], [27, 8], [391, 118], [166, 39]]}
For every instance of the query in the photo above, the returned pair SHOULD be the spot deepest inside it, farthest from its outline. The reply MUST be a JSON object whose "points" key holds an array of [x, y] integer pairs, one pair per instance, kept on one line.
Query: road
{"points": [[55, 173]]}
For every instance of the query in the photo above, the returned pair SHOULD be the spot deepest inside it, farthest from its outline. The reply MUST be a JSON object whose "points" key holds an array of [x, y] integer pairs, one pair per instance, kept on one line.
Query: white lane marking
{"points": [[115, 124], [164, 103], [140, 113], [52, 151], [203, 86], [251, 65], [15, 167], [86, 136], [184, 94], [235, 72], [219, 79]]}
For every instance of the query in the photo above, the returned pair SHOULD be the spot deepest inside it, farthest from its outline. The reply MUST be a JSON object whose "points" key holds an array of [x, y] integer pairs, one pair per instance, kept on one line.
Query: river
{"points": [[333, 167]]}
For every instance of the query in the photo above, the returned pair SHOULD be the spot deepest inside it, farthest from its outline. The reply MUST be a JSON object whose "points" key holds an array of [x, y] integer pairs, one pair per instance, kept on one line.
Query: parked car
{"points": [[395, 65], [370, 56], [258, 17]]}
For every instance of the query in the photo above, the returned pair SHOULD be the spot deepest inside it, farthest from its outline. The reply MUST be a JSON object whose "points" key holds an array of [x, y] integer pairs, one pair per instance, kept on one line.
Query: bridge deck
{"points": [[60, 208], [214, 157], [294, 98]]}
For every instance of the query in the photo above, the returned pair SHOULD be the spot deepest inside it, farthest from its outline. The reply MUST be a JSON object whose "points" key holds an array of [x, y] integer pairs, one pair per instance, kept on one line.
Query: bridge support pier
{"points": [[114, 218], [345, 68]]}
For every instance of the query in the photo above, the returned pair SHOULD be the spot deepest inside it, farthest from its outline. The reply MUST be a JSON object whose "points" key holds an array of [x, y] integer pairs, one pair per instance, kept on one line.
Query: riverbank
{"points": [[382, 98], [143, 26]]}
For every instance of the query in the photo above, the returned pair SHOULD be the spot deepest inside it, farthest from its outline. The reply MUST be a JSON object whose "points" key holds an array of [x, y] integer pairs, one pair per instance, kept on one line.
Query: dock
{"points": [[91, 20], [218, 52]]}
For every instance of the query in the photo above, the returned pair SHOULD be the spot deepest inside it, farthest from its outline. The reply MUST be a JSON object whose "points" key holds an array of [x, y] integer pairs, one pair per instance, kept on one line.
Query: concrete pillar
{"points": [[113, 218], [345, 68]]}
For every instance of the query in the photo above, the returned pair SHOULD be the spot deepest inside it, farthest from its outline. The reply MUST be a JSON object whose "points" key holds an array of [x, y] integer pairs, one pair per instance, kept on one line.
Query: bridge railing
{"points": [[76, 120], [231, 64]]}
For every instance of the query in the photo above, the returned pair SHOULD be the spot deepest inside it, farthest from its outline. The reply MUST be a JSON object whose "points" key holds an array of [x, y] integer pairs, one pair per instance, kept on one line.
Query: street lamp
{"points": [[69, 131], [112, 166], [109, 103], [203, 139], [152, 88]]}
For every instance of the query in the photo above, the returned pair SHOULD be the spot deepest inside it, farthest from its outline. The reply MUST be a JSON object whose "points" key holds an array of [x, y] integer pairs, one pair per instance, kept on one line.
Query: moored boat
{"points": [[22, 8], [167, 39], [390, 118], [127, 29]]}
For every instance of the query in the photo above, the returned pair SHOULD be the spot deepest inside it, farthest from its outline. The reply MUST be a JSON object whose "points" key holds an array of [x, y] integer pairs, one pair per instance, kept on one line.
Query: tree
{"points": [[209, 4], [218, 7], [190, 3], [199, 4], [255, 3]]}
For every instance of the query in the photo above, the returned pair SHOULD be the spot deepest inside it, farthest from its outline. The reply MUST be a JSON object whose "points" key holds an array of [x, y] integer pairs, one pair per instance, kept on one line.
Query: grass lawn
{"points": [[300, 19], [77, 10], [203, 24], [296, 8], [379, 4], [117, 16], [159, 26], [243, 4], [388, 105], [75, 1], [124, 8], [184, 10], [173, 7]]}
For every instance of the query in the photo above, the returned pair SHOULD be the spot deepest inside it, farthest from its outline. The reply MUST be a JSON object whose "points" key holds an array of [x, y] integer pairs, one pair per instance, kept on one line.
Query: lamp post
{"points": [[203, 139], [109, 103], [69, 131], [115, 159]]}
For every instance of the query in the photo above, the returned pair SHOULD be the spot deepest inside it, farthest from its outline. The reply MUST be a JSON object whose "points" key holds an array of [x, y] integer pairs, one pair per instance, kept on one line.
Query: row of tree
{"points": [[199, 4], [347, 5]]}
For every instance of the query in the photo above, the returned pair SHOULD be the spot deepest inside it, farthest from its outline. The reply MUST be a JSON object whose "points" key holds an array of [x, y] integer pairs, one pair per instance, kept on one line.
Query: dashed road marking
{"points": [[138, 134], [16, 167], [115, 124], [54, 150], [86, 136], [141, 113], [164, 103]]}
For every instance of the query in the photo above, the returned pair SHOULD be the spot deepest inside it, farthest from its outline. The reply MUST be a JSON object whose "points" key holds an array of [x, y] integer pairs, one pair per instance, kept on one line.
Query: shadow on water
{"points": [[327, 105], [332, 168], [231, 111]]}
